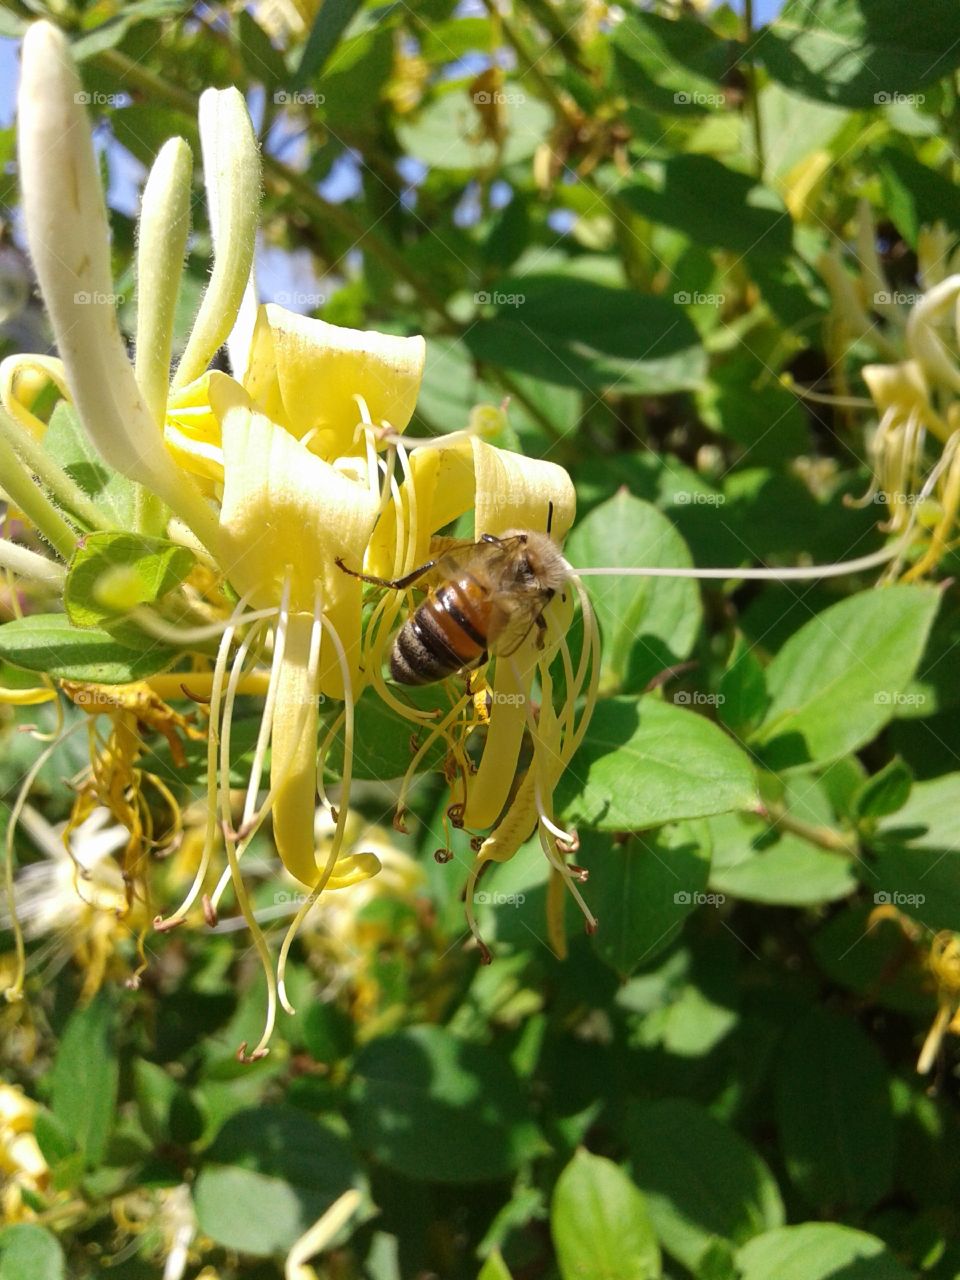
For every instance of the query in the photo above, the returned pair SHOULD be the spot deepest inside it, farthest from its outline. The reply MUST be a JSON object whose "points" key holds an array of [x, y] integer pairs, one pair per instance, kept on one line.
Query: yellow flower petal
{"points": [[27, 697], [286, 510], [293, 760], [22, 377], [305, 373], [506, 491], [193, 424]]}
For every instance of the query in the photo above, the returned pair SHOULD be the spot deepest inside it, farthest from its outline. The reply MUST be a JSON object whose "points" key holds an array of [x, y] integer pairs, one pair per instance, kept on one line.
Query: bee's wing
{"points": [[514, 620], [481, 558]]}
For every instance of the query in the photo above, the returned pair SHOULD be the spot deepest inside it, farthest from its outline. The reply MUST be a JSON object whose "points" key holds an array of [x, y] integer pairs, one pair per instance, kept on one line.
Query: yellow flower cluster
{"points": [[270, 476], [22, 1164]]}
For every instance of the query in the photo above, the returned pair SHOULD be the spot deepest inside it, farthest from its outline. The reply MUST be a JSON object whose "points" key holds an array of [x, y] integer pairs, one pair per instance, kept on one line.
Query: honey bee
{"points": [[489, 596]]}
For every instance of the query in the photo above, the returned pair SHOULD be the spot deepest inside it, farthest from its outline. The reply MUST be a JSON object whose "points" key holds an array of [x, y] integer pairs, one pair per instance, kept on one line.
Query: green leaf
{"points": [[581, 334], [867, 956], [150, 568], [884, 793], [448, 41], [439, 1109], [48, 642], [916, 863], [446, 135], [67, 442], [29, 1252], [833, 1112], [742, 697], [643, 889], [794, 127], [837, 681], [744, 402], [54, 1142], [756, 864], [915, 195], [860, 53], [110, 33], [84, 1079], [818, 1251], [644, 762], [741, 215], [495, 1268], [329, 25], [647, 624], [143, 128], [269, 1175], [261, 58], [673, 65], [701, 1179], [167, 1112], [384, 742], [600, 1224]]}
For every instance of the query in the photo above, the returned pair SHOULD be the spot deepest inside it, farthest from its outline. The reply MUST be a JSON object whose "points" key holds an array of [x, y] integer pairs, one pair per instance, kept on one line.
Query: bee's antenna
{"points": [[549, 517]]}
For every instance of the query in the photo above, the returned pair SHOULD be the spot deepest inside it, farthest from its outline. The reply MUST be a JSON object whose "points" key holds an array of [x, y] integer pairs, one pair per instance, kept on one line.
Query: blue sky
{"points": [[278, 273]]}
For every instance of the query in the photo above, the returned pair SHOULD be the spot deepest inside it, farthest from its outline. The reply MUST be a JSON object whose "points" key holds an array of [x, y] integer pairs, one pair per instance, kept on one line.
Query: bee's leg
{"points": [[541, 625], [473, 669], [397, 584]]}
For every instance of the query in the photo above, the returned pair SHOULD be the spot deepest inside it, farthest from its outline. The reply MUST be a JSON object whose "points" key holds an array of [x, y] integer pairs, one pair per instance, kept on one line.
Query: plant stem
{"points": [[27, 496], [53, 477], [823, 837], [753, 95]]}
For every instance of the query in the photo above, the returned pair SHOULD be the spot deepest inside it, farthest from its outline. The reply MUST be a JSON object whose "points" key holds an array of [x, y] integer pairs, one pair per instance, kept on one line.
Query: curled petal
{"points": [[193, 431], [306, 374], [923, 341], [284, 508], [293, 768], [21, 378]]}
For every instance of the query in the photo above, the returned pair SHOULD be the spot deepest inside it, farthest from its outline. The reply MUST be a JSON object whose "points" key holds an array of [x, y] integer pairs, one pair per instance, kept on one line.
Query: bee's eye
{"points": [[524, 568]]}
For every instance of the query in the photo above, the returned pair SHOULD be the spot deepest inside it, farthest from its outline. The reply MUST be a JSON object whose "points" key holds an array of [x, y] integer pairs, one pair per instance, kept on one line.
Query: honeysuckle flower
{"points": [[916, 393], [75, 897], [504, 491], [22, 1165], [262, 475], [943, 962], [274, 476]]}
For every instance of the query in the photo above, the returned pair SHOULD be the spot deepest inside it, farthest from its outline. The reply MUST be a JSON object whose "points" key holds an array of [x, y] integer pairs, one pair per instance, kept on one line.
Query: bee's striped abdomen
{"points": [[445, 634]]}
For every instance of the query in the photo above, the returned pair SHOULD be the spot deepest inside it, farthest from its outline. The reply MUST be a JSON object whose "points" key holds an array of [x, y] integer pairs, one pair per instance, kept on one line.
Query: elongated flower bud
{"points": [[69, 240]]}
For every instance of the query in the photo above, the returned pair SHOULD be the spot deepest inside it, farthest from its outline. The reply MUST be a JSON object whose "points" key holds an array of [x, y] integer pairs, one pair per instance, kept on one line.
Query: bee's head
{"points": [[538, 565]]}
